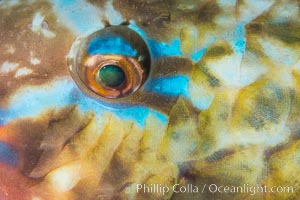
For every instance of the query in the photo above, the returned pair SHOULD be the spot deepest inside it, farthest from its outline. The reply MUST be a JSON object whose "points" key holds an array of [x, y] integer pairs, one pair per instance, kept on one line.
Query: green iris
{"points": [[112, 75]]}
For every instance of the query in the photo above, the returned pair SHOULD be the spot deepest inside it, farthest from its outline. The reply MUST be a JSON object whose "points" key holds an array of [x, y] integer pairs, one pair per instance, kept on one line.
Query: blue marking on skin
{"points": [[163, 118], [237, 39], [240, 45], [33, 101], [169, 86], [127, 112], [136, 113], [158, 49], [110, 44], [198, 55], [61, 93], [161, 49], [2, 113], [7, 154]]}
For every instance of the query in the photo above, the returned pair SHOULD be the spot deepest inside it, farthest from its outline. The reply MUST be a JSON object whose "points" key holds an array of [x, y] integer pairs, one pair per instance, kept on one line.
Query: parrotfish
{"points": [[149, 99]]}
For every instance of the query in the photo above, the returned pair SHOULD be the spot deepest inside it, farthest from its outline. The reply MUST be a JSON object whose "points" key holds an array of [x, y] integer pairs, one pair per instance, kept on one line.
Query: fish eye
{"points": [[111, 75], [111, 63]]}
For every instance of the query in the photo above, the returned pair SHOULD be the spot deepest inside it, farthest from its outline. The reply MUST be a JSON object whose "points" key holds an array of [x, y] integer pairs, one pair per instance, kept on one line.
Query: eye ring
{"points": [[131, 68], [100, 62]]}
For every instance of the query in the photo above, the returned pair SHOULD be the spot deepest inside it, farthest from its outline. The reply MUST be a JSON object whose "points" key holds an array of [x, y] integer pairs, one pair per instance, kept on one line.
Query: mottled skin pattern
{"points": [[221, 105]]}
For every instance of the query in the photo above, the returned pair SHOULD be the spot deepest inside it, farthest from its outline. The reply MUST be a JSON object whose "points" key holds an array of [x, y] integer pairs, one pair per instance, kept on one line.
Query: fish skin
{"points": [[220, 106]]}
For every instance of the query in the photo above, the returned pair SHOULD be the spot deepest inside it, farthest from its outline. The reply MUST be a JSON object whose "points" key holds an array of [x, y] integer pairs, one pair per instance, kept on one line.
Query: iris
{"points": [[111, 63], [112, 75]]}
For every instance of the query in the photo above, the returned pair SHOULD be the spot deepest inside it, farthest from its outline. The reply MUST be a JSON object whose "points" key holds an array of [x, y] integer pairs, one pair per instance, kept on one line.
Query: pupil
{"points": [[112, 75]]}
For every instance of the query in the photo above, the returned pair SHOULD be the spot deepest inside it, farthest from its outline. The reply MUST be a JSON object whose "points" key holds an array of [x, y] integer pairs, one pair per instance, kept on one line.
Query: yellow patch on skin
{"points": [[249, 10], [64, 178], [202, 76], [109, 140], [182, 138], [285, 11], [217, 50], [151, 140], [244, 166], [83, 141], [129, 149], [250, 157], [77, 148], [294, 120], [149, 167], [202, 86], [260, 112], [214, 123], [128, 152], [219, 64], [251, 69], [200, 96], [189, 36], [278, 51], [274, 38], [284, 171]]}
